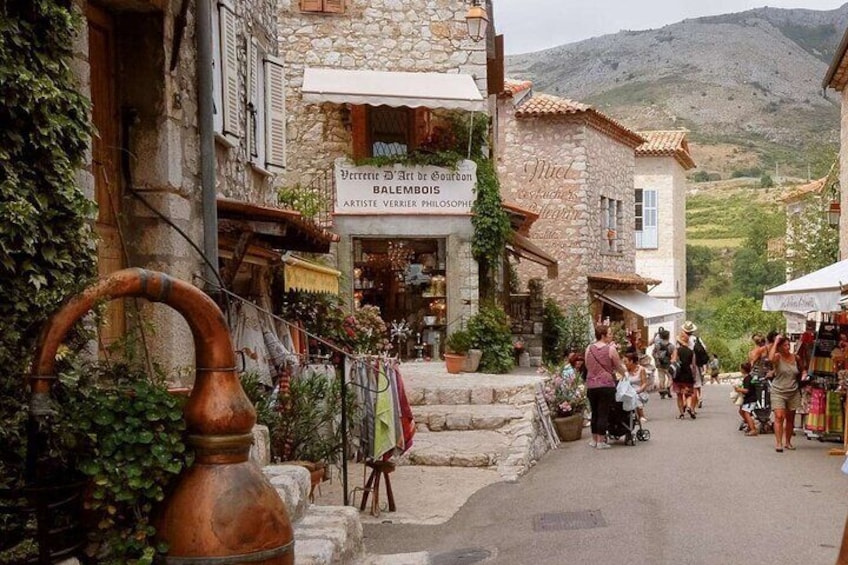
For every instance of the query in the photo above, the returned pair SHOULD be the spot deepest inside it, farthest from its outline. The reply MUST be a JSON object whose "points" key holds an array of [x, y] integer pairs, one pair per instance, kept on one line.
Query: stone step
{"points": [[463, 417], [477, 448], [293, 484], [327, 535], [429, 384]]}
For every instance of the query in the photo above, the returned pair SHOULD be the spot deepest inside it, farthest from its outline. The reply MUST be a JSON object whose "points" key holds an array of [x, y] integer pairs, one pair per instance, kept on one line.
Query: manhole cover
{"points": [[460, 556], [558, 521]]}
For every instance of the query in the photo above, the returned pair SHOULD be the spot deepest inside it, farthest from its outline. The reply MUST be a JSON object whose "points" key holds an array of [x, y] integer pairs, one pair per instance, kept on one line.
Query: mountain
{"points": [[747, 85]]}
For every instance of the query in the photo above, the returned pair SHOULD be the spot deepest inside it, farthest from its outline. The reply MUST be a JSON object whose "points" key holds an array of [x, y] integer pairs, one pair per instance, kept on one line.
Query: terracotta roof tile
{"points": [[513, 86], [814, 187], [546, 105], [666, 144]]}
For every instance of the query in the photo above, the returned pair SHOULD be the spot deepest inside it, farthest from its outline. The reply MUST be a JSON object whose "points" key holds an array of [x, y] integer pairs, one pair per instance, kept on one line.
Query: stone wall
{"points": [[843, 178], [559, 168], [381, 35], [163, 149]]}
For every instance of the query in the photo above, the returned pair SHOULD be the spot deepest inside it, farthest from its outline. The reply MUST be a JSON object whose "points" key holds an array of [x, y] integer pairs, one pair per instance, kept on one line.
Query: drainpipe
{"points": [[206, 129]]}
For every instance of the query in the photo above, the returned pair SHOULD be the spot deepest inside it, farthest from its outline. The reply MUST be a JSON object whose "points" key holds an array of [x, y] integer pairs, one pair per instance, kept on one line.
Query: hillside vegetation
{"points": [[747, 85]]}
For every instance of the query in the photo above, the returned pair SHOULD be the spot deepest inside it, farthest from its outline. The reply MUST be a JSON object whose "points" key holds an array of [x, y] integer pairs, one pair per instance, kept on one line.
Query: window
{"points": [[322, 6], [610, 222], [225, 76], [646, 235], [387, 131], [266, 109]]}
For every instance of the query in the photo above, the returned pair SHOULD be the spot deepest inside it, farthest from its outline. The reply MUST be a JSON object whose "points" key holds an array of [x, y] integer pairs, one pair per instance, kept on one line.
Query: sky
{"points": [[532, 25]]}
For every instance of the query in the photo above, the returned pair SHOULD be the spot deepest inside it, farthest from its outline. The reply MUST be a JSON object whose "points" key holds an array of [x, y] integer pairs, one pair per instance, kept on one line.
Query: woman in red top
{"points": [[602, 362]]}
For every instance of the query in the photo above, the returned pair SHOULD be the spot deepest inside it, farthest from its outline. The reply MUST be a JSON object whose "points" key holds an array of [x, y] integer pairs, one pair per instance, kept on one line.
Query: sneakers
{"points": [[604, 445], [593, 443]]}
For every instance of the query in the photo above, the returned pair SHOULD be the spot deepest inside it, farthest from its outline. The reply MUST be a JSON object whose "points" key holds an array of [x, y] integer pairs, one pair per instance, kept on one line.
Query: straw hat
{"points": [[689, 327], [683, 338]]}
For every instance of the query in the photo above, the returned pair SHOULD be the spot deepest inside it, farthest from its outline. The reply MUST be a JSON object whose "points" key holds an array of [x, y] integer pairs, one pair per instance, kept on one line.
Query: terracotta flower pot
{"points": [[569, 428], [454, 363]]}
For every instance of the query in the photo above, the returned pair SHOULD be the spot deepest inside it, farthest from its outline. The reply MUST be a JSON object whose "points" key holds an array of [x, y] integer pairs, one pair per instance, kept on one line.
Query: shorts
{"points": [[785, 400], [682, 388], [749, 407]]}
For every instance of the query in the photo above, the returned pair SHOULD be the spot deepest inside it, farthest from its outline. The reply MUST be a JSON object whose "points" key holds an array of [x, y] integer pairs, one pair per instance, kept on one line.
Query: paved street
{"points": [[697, 492]]}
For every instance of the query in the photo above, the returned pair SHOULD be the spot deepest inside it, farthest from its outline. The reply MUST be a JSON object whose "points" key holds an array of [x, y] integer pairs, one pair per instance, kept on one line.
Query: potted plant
{"points": [[565, 394], [457, 344]]}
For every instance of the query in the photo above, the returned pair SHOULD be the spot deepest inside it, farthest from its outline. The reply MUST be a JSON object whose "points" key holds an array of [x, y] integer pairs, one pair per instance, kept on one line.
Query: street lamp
{"points": [[833, 213], [477, 20]]}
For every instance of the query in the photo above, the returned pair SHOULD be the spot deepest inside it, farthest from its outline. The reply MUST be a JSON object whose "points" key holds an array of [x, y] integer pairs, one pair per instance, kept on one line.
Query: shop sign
{"points": [[401, 189]]}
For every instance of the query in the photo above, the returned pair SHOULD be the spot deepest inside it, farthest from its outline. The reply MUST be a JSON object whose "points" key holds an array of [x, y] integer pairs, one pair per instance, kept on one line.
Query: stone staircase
{"points": [[473, 420]]}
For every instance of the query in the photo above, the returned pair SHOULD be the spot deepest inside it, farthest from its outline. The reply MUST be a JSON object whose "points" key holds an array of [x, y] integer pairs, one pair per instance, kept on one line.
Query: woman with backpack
{"points": [[662, 350], [683, 378]]}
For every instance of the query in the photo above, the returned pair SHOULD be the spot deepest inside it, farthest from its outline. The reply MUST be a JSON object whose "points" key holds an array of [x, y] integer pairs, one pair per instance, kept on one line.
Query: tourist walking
{"points": [[602, 362], [683, 378], [662, 350], [715, 366], [785, 392], [700, 359], [749, 399]]}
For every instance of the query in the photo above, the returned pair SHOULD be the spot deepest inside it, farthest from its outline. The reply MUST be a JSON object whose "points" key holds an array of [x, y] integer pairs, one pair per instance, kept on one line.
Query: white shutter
{"points": [[217, 81], [650, 235], [275, 115], [229, 70], [253, 108]]}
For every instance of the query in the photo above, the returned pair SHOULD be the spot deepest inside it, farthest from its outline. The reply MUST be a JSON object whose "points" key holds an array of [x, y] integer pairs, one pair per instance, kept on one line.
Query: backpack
{"points": [[701, 356], [662, 354]]}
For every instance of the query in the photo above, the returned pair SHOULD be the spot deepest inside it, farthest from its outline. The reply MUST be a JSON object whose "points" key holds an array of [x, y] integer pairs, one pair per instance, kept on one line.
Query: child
{"points": [[749, 401]]}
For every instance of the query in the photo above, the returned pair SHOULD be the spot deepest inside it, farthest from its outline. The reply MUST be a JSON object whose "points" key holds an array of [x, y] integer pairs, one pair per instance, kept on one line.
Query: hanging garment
{"points": [[249, 341], [834, 421], [406, 418], [384, 417], [816, 417]]}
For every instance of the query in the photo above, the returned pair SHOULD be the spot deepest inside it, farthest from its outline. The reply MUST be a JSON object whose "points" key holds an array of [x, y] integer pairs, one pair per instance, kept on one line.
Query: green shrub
{"points": [[564, 332], [491, 333], [459, 342]]}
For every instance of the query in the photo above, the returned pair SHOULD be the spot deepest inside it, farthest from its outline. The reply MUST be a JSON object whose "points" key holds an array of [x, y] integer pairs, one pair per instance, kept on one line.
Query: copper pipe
{"points": [[222, 506]]}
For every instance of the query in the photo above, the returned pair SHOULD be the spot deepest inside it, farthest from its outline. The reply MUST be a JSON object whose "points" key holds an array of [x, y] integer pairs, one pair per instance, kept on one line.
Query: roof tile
{"points": [[666, 143]]}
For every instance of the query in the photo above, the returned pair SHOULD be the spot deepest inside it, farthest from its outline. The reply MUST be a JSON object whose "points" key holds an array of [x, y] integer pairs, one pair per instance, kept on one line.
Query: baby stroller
{"points": [[762, 412], [625, 424]]}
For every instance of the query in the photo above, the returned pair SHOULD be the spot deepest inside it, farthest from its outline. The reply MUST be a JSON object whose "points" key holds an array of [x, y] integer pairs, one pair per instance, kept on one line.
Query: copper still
{"points": [[222, 510]]}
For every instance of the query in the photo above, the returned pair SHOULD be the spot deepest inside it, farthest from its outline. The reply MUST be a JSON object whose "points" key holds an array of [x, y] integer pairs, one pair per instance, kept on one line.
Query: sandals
{"points": [[752, 434], [691, 413], [681, 416], [789, 447], [779, 449]]}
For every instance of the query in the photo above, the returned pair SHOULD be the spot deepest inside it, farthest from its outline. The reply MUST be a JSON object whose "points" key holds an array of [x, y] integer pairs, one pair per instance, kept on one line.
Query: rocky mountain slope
{"points": [[748, 85]]}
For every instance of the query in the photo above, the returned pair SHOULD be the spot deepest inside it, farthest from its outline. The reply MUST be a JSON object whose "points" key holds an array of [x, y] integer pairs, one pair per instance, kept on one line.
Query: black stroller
{"points": [[625, 424], [762, 412]]}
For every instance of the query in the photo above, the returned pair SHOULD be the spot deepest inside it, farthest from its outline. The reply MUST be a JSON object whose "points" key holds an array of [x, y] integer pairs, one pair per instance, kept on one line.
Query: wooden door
{"points": [[105, 160]]}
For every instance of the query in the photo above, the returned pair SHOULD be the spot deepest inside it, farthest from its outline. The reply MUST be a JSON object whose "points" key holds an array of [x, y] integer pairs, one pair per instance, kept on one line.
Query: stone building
{"points": [[139, 64], [575, 168], [837, 79], [660, 222], [369, 78]]}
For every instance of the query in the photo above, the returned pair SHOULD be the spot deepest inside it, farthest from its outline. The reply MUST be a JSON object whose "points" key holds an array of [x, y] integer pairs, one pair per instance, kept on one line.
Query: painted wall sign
{"points": [[399, 189]]}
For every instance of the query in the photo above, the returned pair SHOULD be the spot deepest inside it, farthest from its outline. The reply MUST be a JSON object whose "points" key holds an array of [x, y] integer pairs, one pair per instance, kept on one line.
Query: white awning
{"points": [[653, 311], [820, 291], [376, 88]]}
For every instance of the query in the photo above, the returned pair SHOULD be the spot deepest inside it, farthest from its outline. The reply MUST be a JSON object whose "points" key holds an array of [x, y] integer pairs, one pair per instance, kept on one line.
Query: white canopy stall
{"points": [[819, 291]]}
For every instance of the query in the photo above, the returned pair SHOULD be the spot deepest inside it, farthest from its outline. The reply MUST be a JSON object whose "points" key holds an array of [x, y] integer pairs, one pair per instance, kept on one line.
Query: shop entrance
{"points": [[406, 280]]}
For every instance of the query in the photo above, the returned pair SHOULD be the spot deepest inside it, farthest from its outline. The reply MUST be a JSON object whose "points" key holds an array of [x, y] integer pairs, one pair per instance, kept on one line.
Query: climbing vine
{"points": [[47, 250], [491, 225]]}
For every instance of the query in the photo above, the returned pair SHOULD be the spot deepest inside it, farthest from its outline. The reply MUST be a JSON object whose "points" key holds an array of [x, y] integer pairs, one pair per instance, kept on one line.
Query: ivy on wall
{"points": [[47, 247], [491, 226]]}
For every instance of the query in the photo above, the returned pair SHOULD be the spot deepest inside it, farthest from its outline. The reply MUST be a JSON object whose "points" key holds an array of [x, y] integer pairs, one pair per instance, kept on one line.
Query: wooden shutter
{"points": [[311, 5], [229, 70], [495, 68], [334, 6], [253, 108], [275, 113], [650, 229], [359, 131]]}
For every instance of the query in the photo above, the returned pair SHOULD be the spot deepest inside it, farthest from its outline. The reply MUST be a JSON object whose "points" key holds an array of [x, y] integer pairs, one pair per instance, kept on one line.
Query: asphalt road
{"points": [[698, 492]]}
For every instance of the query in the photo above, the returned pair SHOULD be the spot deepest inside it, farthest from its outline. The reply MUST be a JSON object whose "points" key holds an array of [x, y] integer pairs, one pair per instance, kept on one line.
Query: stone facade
{"points": [[667, 262], [377, 35], [559, 167], [154, 89]]}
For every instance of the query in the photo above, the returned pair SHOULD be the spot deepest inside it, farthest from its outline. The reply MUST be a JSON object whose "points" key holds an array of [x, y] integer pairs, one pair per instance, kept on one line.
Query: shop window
{"points": [[225, 76], [266, 107], [407, 280], [646, 236], [610, 213], [386, 131], [323, 6]]}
